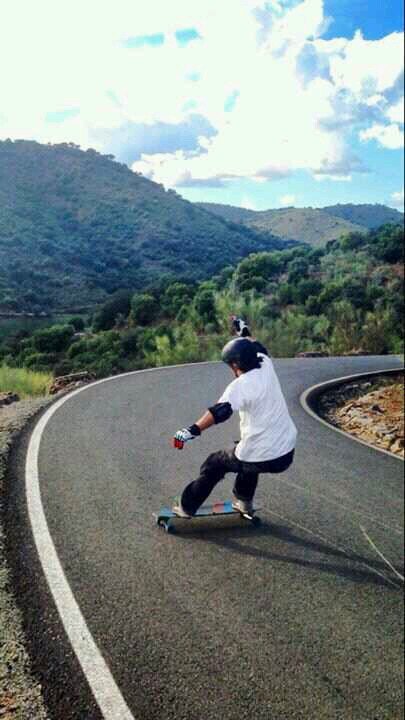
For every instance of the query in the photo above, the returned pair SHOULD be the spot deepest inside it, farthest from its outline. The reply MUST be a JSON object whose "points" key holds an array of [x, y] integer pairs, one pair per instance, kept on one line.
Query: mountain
{"points": [[75, 226], [314, 226], [367, 215]]}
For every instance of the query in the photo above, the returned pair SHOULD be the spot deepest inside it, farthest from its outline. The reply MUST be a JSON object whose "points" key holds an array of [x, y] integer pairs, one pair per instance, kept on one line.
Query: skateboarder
{"points": [[268, 434]]}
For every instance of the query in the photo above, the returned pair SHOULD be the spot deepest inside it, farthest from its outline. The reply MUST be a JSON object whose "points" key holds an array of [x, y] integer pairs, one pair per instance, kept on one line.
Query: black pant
{"points": [[215, 468]]}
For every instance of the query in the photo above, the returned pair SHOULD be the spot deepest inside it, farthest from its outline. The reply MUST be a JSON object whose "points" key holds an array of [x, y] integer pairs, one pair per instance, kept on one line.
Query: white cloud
{"points": [[287, 200], [247, 203], [300, 23], [78, 59], [389, 136], [396, 112], [333, 178], [367, 67], [397, 200]]}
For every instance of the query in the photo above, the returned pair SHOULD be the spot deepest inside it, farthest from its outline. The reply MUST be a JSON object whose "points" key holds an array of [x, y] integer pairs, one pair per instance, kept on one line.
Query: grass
{"points": [[24, 382]]}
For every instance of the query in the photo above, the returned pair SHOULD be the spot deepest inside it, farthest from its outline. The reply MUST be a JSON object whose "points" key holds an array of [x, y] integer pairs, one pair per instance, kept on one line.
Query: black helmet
{"points": [[242, 352]]}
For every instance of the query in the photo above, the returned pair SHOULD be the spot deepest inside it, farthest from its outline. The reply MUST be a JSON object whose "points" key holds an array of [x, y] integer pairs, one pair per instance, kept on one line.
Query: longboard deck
{"points": [[167, 519]]}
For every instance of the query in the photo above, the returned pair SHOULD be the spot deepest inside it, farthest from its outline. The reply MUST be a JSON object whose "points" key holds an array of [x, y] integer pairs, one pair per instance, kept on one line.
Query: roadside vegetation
{"points": [[345, 297], [25, 383]]}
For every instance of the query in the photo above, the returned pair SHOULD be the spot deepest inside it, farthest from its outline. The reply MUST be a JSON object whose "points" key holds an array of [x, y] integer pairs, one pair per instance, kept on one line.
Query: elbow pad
{"points": [[221, 412]]}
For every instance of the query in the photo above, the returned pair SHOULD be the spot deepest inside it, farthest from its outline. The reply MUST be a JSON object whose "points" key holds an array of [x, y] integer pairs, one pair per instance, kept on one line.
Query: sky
{"points": [[254, 103]]}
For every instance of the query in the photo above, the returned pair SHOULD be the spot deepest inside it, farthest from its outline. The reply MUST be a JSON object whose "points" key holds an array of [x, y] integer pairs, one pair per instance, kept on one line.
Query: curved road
{"points": [[300, 618]]}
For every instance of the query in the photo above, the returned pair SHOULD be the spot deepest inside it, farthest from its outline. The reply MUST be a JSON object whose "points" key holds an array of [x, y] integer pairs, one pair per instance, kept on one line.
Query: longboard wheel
{"points": [[169, 528]]}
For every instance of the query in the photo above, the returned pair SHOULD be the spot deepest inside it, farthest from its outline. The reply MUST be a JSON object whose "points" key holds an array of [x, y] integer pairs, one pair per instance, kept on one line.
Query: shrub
{"points": [[117, 304], [144, 309], [54, 339], [24, 382]]}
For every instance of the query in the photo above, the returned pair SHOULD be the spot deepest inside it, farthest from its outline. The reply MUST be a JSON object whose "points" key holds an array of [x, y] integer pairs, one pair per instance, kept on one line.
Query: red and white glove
{"points": [[185, 435], [239, 326]]}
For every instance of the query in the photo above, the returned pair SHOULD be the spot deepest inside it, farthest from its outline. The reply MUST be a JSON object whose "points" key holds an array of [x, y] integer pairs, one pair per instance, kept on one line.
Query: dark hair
{"points": [[243, 353]]}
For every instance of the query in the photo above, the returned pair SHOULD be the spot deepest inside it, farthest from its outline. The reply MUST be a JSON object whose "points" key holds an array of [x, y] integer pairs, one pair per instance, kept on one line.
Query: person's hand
{"points": [[239, 326], [183, 436]]}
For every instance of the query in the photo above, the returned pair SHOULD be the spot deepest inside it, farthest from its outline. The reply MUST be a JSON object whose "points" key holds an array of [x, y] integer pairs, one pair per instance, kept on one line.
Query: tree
{"points": [[387, 243], [144, 309], [298, 269], [117, 304], [347, 327], [305, 288], [78, 324], [352, 241], [255, 271], [55, 339], [175, 296], [355, 292], [204, 305], [378, 331]]}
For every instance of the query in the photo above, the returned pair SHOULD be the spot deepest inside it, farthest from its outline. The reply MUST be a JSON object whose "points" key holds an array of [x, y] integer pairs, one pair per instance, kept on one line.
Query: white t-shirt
{"points": [[267, 431]]}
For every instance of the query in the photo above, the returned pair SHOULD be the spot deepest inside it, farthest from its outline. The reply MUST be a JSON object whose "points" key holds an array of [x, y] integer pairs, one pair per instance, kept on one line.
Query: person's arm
{"points": [[218, 413], [241, 329], [205, 421]]}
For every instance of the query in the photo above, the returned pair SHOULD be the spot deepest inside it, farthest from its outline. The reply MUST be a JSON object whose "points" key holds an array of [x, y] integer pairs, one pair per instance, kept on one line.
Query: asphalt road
{"points": [[299, 618]]}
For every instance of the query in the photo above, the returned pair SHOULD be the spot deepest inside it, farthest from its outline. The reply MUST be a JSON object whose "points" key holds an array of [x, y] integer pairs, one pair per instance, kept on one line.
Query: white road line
{"points": [[101, 682], [98, 676]]}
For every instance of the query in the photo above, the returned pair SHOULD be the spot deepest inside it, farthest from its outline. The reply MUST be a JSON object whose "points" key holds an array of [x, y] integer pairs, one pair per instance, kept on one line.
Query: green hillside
{"points": [[310, 225], [342, 298], [76, 226], [367, 215]]}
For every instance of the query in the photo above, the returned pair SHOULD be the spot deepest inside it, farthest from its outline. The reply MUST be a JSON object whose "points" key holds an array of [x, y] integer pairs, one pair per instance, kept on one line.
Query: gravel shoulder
{"points": [[20, 693], [371, 410]]}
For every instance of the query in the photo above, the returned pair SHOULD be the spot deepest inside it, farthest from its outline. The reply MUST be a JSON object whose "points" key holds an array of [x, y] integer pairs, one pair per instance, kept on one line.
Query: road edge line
{"points": [[335, 382]]}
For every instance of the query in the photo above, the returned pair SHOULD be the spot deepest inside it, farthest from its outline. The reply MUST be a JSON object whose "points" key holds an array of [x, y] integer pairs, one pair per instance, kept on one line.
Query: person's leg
{"points": [[212, 471], [281, 464], [245, 485], [248, 475]]}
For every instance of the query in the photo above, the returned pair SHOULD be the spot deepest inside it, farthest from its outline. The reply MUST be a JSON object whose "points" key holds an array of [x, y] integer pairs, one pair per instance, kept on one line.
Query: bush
{"points": [[78, 324], [347, 328], [175, 296], [118, 304], [55, 339], [204, 305], [387, 243], [255, 271], [144, 309]]}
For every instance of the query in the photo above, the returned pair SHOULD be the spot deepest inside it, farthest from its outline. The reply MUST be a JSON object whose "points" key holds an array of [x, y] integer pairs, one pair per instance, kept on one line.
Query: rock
{"points": [[8, 398], [312, 354], [398, 446], [69, 382], [377, 417], [356, 351]]}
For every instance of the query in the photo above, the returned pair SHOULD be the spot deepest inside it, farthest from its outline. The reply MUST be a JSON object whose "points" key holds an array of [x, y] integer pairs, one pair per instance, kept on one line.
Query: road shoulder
{"points": [[20, 692]]}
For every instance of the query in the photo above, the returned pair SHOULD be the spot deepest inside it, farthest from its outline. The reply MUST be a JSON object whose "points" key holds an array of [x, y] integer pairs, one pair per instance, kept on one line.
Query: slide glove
{"points": [[239, 326], [185, 435]]}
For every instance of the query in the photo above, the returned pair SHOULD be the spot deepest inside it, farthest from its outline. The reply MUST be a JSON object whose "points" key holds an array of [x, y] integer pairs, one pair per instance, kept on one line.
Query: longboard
{"points": [[168, 520]]}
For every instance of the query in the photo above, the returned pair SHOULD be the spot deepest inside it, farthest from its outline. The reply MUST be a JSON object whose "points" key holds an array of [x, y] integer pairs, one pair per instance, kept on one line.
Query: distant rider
{"points": [[268, 434]]}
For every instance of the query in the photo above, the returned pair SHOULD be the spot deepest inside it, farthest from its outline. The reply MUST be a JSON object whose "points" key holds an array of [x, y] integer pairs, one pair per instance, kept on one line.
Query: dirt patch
{"points": [[372, 410]]}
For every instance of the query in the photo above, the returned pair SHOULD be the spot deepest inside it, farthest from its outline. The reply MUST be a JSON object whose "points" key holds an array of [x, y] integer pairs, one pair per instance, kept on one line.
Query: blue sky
{"points": [[259, 103], [375, 19]]}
